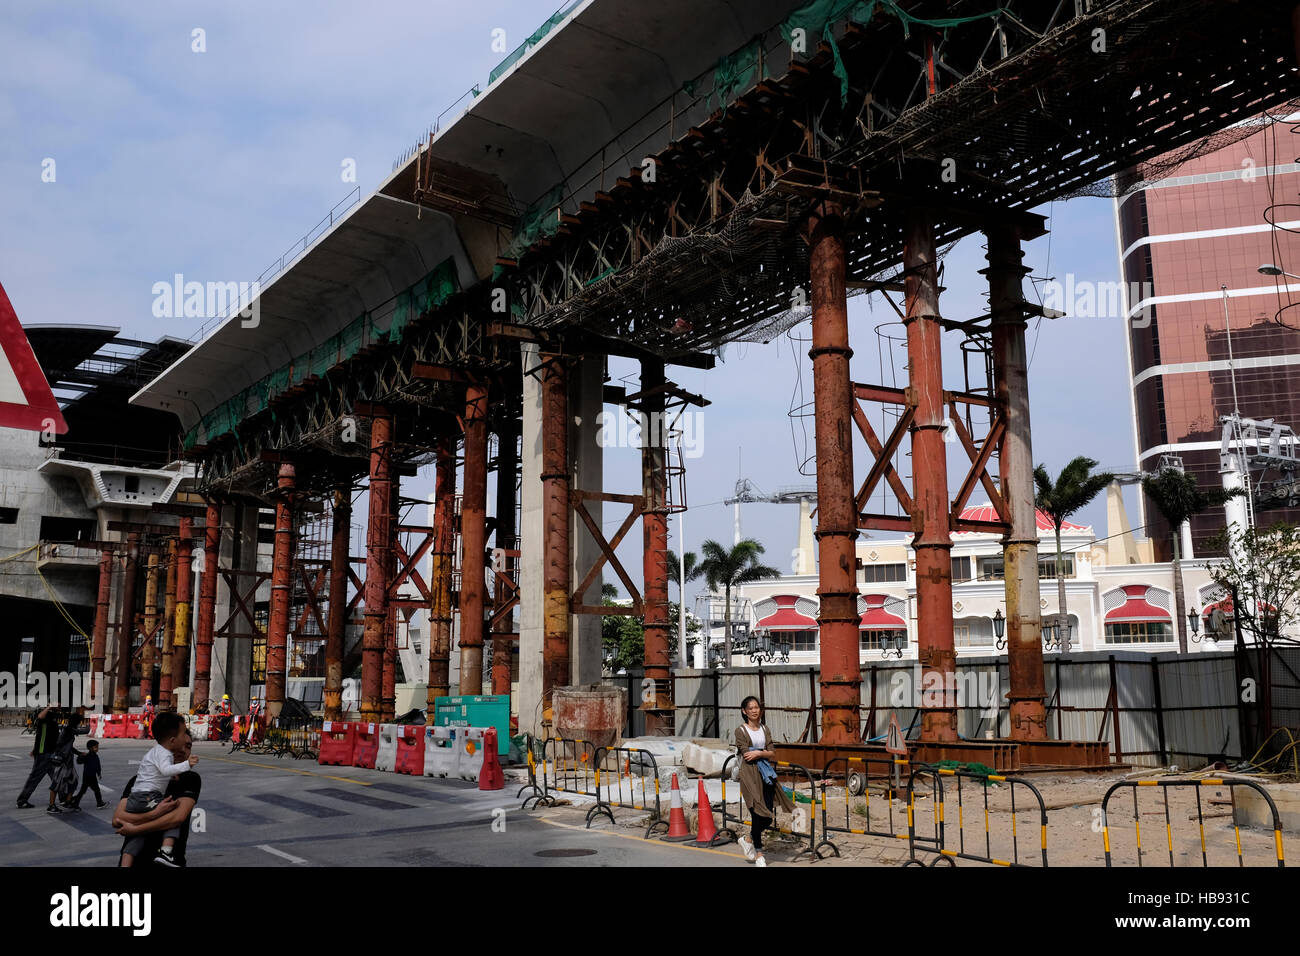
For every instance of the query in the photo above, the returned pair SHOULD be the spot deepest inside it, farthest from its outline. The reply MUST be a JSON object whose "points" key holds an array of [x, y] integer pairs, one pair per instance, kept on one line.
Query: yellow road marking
{"points": [[306, 773]]}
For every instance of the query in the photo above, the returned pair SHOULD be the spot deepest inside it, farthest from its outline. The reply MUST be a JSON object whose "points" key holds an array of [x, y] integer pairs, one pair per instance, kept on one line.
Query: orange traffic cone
{"points": [[491, 777], [706, 834], [678, 831]]}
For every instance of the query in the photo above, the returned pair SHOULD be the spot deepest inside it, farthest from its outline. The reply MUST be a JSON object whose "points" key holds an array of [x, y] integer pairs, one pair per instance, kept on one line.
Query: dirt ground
{"points": [[1073, 802]]}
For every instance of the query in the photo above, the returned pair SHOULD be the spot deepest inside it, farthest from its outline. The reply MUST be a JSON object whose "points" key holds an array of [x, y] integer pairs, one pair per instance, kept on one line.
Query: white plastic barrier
{"points": [[440, 751], [386, 757], [198, 725], [469, 750], [95, 722]]}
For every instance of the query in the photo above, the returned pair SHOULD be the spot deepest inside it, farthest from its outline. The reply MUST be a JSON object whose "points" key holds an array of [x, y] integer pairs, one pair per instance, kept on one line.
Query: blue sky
{"points": [[212, 163]]}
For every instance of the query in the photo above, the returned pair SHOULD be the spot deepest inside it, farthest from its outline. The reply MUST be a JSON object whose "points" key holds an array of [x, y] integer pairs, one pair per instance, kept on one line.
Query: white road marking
{"points": [[11, 756], [280, 853]]}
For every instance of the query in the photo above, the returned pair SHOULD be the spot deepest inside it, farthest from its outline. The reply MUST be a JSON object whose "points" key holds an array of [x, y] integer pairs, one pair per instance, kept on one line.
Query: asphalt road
{"points": [[267, 811]]}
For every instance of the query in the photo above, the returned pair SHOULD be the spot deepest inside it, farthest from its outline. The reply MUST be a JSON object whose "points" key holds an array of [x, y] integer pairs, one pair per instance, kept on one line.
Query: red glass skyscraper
{"points": [[1182, 239]]}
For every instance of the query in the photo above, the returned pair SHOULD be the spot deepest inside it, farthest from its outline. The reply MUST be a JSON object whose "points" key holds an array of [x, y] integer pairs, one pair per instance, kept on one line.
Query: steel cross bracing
{"points": [[1017, 111]]}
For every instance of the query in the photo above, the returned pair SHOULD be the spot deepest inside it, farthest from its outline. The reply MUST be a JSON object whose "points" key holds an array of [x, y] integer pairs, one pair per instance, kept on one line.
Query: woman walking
{"points": [[758, 783]]}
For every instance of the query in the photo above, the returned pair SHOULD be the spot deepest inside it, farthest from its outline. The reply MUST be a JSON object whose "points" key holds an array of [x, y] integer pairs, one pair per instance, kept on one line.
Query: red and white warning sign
{"points": [[25, 398], [894, 738]]}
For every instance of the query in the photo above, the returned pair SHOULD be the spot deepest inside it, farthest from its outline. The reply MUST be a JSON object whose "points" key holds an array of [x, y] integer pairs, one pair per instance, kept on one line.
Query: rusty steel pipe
{"points": [[184, 612], [126, 627], [507, 478], [932, 541], [658, 702], [164, 701], [207, 604], [99, 635], [473, 538], [837, 523], [336, 624], [147, 651], [277, 629], [378, 540], [555, 518], [444, 538], [388, 697], [1027, 695]]}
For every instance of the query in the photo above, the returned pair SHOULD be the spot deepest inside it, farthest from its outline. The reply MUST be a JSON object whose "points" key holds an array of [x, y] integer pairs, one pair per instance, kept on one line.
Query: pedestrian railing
{"points": [[971, 847], [1190, 787], [568, 766], [630, 778], [872, 799]]}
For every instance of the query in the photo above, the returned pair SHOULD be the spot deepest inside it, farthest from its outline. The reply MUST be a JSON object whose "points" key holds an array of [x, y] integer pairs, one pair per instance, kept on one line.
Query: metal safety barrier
{"points": [[625, 771], [858, 776], [963, 851], [785, 771], [298, 742], [568, 766], [1195, 786]]}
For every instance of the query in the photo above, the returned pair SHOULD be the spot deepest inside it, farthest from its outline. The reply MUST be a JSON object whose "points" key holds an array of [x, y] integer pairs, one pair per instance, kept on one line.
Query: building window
{"points": [[66, 529], [961, 569], [876, 638], [1047, 566], [799, 640], [1139, 632], [8, 515], [884, 573], [992, 569], [978, 633]]}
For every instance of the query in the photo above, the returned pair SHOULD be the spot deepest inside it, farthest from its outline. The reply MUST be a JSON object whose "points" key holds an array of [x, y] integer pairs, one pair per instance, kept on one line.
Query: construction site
{"points": [[651, 184]]}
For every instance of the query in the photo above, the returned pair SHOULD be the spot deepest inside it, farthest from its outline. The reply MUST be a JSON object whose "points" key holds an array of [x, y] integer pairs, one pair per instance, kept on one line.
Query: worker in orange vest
{"points": [[223, 714]]}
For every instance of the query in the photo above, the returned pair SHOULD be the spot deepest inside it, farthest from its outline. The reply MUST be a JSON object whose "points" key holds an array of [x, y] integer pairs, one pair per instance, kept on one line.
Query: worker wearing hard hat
{"points": [[223, 715]]}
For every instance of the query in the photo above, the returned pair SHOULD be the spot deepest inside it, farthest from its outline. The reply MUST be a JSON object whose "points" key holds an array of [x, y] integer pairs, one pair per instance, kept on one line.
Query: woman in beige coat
{"points": [[753, 744]]}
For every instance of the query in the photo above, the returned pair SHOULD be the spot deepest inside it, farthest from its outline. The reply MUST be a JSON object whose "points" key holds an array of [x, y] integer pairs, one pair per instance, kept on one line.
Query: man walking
{"points": [[47, 738]]}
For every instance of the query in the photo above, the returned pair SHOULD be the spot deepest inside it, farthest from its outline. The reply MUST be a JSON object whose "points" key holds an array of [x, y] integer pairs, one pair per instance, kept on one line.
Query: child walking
{"points": [[90, 776]]}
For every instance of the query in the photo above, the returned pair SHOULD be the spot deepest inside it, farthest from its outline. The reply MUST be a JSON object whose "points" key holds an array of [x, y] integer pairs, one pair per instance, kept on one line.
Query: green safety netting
{"points": [[817, 18], [533, 39], [731, 74], [428, 293], [539, 220]]}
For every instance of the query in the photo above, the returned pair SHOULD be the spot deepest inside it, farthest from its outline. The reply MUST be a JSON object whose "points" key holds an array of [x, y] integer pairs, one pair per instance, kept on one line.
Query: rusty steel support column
{"points": [[444, 538], [388, 696], [150, 622], [277, 629], [837, 522], [184, 615], [164, 701], [336, 625], [932, 541], [126, 627], [555, 517], [1016, 466], [378, 541], [99, 639], [473, 539], [654, 486], [207, 604], [507, 467]]}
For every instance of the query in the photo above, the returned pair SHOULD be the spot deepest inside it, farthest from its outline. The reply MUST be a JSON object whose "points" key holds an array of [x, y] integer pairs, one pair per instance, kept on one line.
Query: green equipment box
{"points": [[470, 711]]}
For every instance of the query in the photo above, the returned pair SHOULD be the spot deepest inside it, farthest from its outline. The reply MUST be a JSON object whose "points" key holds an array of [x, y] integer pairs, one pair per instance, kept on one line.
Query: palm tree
{"points": [[1074, 487], [1175, 495], [731, 567], [693, 569]]}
